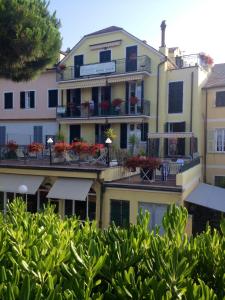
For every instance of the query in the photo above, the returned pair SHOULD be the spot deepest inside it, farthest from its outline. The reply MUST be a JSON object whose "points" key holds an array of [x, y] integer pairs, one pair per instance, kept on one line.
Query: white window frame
{"points": [[222, 145]]}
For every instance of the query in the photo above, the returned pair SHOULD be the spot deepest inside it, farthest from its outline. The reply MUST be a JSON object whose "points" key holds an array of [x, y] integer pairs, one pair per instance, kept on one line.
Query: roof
{"points": [[106, 30], [209, 196], [216, 77]]}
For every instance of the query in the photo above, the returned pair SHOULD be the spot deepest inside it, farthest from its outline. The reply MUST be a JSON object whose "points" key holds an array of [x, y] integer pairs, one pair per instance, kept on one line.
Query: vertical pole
{"points": [[50, 157], [87, 216]]}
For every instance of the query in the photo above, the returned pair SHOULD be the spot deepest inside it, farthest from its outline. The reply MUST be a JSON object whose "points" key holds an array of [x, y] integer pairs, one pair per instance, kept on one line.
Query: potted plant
{"points": [[61, 147], [12, 146], [104, 105], [116, 103], [133, 100], [110, 133], [35, 147], [147, 166], [132, 163]]}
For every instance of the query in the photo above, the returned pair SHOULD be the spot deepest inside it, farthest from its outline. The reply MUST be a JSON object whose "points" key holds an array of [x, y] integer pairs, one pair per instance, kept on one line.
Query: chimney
{"points": [[163, 29], [163, 48]]}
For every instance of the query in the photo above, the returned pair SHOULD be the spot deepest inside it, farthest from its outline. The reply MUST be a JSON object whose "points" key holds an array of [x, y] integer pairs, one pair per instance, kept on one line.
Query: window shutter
{"points": [[115, 212], [142, 96], [32, 93], [175, 97], [144, 132], [211, 140], [123, 136], [38, 134], [2, 135], [96, 133], [154, 147], [125, 215], [52, 98], [127, 98], [220, 98], [22, 99]]}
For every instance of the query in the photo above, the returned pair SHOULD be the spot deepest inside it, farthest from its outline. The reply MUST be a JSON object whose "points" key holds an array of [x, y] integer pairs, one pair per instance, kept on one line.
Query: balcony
{"points": [[81, 111], [115, 67]]}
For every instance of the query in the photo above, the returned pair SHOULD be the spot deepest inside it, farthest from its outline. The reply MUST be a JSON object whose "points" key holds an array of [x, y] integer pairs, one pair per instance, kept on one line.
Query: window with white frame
{"points": [[220, 139], [27, 99]]}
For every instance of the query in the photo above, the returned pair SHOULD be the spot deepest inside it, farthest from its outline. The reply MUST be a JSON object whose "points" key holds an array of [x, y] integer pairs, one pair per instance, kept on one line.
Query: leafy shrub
{"points": [[45, 257]]}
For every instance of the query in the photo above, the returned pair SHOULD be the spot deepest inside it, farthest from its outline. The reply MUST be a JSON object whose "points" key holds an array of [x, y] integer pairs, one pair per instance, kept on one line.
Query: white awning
{"points": [[208, 196], [70, 189], [124, 78], [11, 183], [168, 135]]}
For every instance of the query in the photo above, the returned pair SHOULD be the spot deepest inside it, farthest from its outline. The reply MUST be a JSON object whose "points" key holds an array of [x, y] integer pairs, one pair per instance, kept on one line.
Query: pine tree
{"points": [[29, 38]]}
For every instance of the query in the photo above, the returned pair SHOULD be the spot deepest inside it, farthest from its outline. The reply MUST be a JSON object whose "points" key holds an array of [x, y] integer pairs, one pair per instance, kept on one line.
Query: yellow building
{"points": [[152, 100]]}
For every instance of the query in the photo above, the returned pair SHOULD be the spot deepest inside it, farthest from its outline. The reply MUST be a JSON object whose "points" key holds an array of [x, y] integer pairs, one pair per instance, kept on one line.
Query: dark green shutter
{"points": [[175, 97], [125, 215], [8, 100], [115, 212], [32, 93], [22, 99], [2, 135], [142, 96], [144, 132], [95, 99], [123, 136], [154, 147], [127, 98], [97, 133], [181, 127], [74, 132], [52, 98], [78, 62]]}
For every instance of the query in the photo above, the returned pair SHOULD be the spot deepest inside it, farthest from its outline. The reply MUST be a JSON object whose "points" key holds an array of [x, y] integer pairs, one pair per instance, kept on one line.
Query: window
{"points": [[52, 98], [38, 134], [220, 181], [105, 56], [120, 212], [175, 97], [8, 100], [220, 98], [220, 140], [27, 99]]}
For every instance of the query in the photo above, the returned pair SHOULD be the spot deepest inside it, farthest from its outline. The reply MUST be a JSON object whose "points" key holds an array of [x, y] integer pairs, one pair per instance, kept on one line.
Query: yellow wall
{"points": [[134, 197]]}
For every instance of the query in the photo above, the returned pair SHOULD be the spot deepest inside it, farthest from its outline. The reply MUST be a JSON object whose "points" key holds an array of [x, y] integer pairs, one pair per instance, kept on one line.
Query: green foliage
{"points": [[29, 37], [45, 257]]}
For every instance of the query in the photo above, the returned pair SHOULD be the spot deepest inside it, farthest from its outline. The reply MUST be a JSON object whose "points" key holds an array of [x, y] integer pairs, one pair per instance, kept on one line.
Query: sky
{"points": [[192, 25]]}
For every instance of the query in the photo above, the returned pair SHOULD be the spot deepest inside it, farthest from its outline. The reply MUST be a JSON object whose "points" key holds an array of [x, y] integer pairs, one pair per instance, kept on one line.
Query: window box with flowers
{"points": [[60, 150]]}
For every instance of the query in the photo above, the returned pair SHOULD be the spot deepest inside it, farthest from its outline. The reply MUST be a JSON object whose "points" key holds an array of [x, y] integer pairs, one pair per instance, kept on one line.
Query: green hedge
{"points": [[45, 257]]}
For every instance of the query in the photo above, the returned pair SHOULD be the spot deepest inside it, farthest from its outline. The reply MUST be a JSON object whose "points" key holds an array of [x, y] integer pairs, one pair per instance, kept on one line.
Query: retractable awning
{"points": [[70, 189], [172, 135], [116, 79], [11, 183], [208, 196]]}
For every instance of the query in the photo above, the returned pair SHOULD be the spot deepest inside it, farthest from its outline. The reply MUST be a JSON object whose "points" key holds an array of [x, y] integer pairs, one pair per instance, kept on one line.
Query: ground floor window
{"points": [[156, 211], [220, 181], [220, 140], [82, 209], [120, 212]]}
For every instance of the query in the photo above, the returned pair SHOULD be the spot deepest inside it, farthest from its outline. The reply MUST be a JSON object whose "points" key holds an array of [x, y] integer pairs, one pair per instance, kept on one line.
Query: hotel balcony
{"points": [[141, 64], [86, 113]]}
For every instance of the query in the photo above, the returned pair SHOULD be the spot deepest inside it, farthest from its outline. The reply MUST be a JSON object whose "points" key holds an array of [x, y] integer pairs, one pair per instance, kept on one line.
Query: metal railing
{"points": [[119, 66], [97, 111]]}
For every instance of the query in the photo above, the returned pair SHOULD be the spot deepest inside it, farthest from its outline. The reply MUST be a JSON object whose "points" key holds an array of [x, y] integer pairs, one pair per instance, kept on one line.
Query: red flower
{"points": [[12, 145], [93, 149], [80, 147], [104, 105], [35, 147], [117, 102], [61, 147], [133, 100], [142, 162]]}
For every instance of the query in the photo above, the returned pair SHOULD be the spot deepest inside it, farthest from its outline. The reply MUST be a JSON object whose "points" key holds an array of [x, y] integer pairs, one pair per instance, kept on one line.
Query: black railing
{"points": [[118, 66], [99, 110]]}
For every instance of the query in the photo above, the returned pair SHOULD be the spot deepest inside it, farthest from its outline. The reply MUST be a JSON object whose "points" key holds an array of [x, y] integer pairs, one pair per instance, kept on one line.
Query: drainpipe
{"points": [[157, 93], [205, 132], [102, 190], [191, 112]]}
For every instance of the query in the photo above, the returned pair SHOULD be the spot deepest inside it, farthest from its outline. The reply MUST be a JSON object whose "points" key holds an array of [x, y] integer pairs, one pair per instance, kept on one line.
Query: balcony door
{"points": [[105, 56], [135, 90], [131, 59]]}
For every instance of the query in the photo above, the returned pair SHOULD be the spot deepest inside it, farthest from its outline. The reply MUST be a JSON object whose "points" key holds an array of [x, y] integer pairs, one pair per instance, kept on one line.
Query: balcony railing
{"points": [[118, 66], [81, 111]]}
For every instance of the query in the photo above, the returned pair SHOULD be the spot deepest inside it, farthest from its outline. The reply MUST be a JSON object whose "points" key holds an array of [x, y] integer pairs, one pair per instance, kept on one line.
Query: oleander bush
{"points": [[45, 257]]}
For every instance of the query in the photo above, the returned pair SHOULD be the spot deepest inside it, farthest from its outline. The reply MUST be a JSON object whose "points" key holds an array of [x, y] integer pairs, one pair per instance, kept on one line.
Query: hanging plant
{"points": [[133, 100], [104, 105], [117, 102]]}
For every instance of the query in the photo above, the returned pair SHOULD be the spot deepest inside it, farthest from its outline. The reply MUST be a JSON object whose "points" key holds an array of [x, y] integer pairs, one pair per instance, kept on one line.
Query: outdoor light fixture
{"points": [[50, 142], [23, 189], [108, 141]]}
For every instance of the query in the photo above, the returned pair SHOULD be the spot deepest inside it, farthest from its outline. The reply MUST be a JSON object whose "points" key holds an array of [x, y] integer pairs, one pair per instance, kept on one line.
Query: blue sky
{"points": [[193, 25]]}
